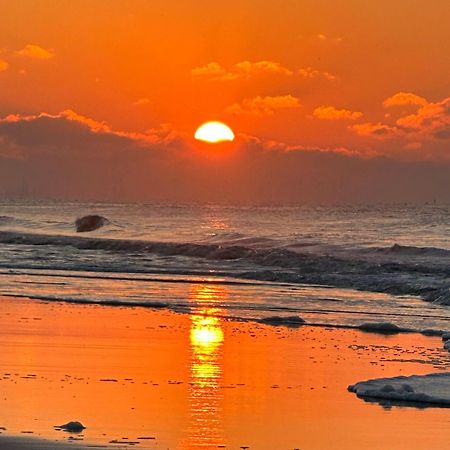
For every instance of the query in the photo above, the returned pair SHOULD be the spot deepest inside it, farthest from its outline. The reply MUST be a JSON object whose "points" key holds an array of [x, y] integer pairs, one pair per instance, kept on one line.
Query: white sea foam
{"points": [[381, 327], [423, 389]]}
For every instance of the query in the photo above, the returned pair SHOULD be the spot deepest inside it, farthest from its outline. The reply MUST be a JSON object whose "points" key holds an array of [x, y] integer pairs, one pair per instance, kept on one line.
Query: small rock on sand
{"points": [[71, 427]]}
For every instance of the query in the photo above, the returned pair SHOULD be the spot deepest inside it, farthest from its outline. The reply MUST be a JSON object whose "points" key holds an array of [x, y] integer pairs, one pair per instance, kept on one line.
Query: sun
{"points": [[214, 132]]}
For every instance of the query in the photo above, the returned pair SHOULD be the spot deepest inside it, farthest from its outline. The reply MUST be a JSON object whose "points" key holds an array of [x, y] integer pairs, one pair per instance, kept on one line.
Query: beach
{"points": [[224, 226], [157, 379]]}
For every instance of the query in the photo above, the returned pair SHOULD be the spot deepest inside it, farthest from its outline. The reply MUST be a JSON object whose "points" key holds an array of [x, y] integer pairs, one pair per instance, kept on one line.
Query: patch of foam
{"points": [[433, 389], [381, 327], [289, 321]]}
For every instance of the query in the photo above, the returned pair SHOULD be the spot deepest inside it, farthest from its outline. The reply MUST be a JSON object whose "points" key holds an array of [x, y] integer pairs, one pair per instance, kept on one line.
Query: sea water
{"points": [[339, 266]]}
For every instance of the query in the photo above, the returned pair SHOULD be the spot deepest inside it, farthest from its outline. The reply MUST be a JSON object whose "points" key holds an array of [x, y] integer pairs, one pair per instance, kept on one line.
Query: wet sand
{"points": [[20, 443], [160, 380]]}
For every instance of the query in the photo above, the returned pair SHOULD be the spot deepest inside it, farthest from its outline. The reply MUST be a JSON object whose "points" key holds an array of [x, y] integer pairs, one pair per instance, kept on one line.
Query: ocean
{"points": [[332, 266]]}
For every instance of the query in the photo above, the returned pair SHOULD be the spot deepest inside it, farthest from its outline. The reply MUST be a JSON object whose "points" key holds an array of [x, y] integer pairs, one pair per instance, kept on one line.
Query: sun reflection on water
{"points": [[206, 369], [206, 340]]}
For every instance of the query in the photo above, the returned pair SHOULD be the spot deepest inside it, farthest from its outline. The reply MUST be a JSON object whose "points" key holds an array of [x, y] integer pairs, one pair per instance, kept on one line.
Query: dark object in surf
{"points": [[381, 327], [289, 321], [90, 223], [71, 427]]}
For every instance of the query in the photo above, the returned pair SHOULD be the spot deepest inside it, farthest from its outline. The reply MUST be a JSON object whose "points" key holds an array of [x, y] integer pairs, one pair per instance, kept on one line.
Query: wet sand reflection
{"points": [[206, 370]]}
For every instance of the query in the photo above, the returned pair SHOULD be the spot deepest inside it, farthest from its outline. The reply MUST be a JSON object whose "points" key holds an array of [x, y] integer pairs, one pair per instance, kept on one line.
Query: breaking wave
{"points": [[398, 270], [397, 249]]}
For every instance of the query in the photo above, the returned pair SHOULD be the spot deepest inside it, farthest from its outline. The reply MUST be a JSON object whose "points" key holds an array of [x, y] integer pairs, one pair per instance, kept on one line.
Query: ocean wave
{"points": [[402, 276], [242, 240], [410, 250], [91, 301], [12, 221]]}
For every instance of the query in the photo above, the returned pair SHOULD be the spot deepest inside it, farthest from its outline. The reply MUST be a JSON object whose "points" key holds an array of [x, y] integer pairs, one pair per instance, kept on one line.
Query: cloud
{"points": [[255, 68], [36, 52], [71, 132], [376, 130], [432, 120], [71, 156], [404, 98], [142, 101], [3, 65], [260, 106], [275, 145], [309, 72], [413, 145], [165, 134], [64, 133], [332, 113], [324, 38], [213, 71]]}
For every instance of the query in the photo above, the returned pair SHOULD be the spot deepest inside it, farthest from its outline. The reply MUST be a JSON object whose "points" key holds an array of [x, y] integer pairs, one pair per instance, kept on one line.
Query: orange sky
{"points": [[368, 78]]}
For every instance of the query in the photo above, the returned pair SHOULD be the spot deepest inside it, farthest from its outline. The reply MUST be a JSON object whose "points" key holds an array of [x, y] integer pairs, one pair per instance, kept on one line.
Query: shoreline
{"points": [[293, 321], [202, 380], [36, 443], [389, 282]]}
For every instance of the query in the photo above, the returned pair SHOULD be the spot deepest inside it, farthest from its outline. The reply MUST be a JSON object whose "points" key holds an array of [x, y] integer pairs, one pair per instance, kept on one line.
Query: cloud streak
{"points": [[142, 101], [311, 73], [35, 51], [213, 71], [332, 113], [376, 130], [263, 106], [404, 98], [245, 70]]}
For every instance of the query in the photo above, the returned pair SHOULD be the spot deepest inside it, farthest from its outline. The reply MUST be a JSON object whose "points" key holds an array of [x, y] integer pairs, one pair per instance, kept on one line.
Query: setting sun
{"points": [[214, 132]]}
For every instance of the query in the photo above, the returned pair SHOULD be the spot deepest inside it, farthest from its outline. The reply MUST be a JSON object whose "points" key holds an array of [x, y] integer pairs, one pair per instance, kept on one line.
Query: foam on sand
{"points": [[433, 389], [381, 327], [289, 321]]}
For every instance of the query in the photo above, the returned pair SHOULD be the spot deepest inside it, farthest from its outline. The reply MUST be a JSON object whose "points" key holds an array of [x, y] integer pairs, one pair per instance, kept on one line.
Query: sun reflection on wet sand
{"points": [[206, 370]]}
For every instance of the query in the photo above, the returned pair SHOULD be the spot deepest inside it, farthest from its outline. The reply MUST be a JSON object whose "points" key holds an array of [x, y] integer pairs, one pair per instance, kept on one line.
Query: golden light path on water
{"points": [[206, 370]]}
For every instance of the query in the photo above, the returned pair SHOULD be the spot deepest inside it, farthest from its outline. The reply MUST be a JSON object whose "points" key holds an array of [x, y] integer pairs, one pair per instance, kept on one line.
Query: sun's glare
{"points": [[214, 132]]}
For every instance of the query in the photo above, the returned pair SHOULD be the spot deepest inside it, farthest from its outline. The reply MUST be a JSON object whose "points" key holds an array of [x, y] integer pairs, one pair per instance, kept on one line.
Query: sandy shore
{"points": [[155, 379], [19, 443]]}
